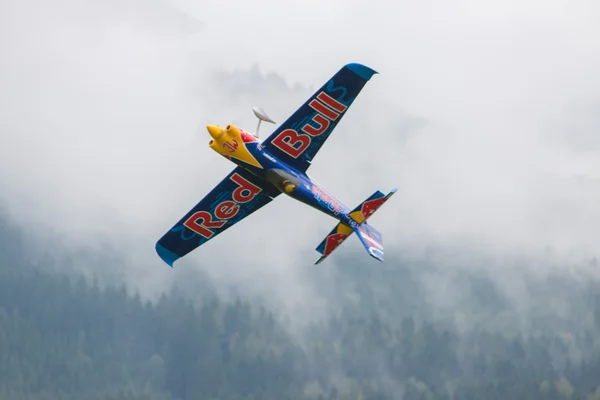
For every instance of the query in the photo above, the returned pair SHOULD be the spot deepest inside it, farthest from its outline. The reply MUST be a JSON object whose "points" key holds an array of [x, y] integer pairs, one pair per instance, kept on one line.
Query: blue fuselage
{"points": [[294, 183]]}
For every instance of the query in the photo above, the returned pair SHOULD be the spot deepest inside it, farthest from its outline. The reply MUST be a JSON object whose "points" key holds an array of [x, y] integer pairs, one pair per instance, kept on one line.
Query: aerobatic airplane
{"points": [[278, 165]]}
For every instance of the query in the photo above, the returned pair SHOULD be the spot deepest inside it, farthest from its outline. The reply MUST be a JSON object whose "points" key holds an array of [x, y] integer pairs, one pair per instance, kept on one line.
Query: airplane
{"points": [[278, 164]]}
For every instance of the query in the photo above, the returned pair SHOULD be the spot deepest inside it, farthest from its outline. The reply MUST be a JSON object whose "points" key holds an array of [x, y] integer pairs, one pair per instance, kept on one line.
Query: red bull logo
{"points": [[205, 223], [294, 143]]}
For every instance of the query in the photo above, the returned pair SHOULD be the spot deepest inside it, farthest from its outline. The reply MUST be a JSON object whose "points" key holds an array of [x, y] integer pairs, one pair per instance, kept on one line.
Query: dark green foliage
{"points": [[65, 339]]}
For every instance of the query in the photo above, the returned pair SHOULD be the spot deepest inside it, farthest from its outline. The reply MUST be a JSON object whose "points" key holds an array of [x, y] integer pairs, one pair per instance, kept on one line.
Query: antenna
{"points": [[262, 116]]}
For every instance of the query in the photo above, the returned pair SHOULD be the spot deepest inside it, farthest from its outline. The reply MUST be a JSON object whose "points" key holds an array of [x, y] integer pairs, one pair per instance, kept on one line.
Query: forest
{"points": [[64, 336]]}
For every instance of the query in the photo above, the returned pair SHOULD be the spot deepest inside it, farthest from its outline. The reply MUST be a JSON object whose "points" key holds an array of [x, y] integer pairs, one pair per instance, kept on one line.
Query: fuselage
{"points": [[243, 149]]}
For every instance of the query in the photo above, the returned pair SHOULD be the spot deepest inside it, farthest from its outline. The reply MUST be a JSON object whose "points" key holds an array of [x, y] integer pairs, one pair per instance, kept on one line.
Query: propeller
{"points": [[262, 116]]}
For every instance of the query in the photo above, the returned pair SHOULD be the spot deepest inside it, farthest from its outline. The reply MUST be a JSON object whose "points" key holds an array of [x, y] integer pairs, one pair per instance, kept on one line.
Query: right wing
{"points": [[297, 140], [234, 198]]}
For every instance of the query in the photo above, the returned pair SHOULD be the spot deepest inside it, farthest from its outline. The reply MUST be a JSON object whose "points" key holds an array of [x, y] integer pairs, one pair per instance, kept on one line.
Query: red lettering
{"points": [[331, 102], [323, 125], [246, 190], [226, 210], [287, 140], [321, 195], [321, 109], [203, 227]]}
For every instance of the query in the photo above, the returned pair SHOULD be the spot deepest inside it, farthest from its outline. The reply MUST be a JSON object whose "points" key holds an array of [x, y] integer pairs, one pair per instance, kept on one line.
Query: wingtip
{"points": [[320, 260], [166, 255], [361, 70]]}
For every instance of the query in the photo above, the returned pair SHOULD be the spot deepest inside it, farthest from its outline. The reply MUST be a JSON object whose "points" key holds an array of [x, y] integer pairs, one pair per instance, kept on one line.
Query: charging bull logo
{"points": [[230, 142], [231, 147]]}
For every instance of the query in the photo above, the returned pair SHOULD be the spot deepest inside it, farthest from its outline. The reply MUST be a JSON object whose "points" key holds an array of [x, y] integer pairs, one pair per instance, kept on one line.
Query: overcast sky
{"points": [[485, 115]]}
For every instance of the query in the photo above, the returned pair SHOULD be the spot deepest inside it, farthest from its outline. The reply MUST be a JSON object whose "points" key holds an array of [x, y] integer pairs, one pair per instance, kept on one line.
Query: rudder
{"points": [[369, 236], [371, 239]]}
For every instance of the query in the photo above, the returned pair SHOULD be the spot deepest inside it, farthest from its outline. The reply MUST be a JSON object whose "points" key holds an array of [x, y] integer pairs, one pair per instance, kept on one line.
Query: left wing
{"points": [[234, 198], [298, 139]]}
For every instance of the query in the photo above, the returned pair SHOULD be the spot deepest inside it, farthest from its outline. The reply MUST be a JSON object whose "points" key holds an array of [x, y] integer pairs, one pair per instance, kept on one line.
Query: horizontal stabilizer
{"points": [[368, 235], [333, 240], [364, 210]]}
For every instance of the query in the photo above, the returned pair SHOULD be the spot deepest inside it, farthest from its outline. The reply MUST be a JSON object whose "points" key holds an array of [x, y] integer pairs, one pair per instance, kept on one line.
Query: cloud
{"points": [[482, 115]]}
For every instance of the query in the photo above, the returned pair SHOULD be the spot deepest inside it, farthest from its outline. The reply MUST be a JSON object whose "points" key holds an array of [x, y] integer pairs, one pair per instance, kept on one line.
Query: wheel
{"points": [[288, 186]]}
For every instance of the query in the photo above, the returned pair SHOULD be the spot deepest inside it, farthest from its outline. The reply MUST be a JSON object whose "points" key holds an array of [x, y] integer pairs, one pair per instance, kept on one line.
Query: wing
{"points": [[233, 199], [298, 139]]}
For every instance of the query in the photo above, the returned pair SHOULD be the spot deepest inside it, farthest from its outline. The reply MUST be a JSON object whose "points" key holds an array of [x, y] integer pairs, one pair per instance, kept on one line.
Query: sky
{"points": [[485, 115]]}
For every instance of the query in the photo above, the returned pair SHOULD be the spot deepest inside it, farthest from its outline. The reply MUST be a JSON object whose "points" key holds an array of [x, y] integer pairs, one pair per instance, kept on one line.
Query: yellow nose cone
{"points": [[214, 131]]}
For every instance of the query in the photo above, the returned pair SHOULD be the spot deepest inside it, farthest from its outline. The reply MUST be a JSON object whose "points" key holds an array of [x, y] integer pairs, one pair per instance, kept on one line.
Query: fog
{"points": [[484, 115]]}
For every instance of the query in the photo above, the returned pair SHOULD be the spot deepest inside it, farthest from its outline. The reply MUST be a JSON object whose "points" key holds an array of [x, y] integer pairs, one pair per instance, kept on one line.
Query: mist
{"points": [[485, 116]]}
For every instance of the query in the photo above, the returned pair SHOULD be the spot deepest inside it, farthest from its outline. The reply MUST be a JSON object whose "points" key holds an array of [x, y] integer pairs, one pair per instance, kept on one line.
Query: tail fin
{"points": [[371, 239], [368, 235]]}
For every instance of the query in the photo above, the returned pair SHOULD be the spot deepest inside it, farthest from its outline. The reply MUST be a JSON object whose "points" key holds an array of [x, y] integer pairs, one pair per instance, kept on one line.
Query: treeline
{"points": [[71, 339]]}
